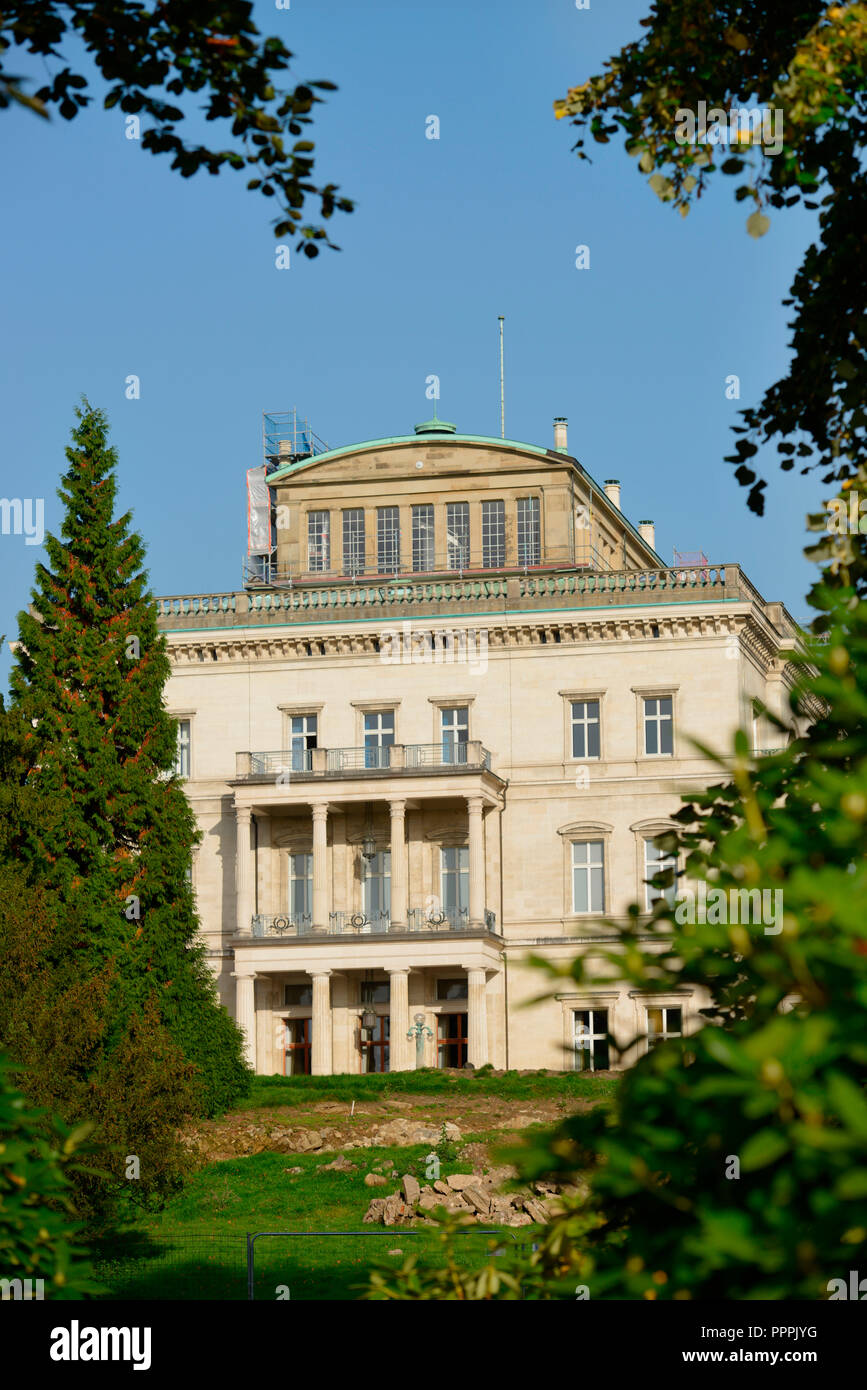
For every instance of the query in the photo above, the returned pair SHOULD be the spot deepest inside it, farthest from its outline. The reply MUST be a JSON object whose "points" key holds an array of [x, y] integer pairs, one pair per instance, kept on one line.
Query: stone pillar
{"points": [[320, 866], [245, 1011], [477, 1018], [320, 1049], [401, 1053], [398, 867], [243, 872], [477, 862]]}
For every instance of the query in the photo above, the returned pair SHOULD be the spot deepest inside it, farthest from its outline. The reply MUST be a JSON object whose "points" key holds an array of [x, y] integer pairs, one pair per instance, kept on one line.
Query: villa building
{"points": [[437, 731]]}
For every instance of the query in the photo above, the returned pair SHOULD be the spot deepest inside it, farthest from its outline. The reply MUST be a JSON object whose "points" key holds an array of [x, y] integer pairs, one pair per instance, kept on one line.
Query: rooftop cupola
{"points": [[435, 426]]}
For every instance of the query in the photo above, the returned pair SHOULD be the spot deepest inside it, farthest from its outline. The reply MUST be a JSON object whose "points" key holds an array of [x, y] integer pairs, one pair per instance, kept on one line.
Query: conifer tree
{"points": [[109, 831]]}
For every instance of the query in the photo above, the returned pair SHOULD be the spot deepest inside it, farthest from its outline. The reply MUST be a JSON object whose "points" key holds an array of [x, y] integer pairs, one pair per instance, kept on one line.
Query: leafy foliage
{"points": [[177, 47], [39, 1236], [806, 61]]}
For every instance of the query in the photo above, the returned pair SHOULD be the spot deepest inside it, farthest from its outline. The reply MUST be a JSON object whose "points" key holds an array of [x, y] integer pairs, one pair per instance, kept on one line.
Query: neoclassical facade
{"points": [[435, 732]]}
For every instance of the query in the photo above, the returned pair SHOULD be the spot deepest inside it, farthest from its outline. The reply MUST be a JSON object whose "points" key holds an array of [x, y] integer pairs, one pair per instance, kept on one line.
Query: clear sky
{"points": [[114, 265]]}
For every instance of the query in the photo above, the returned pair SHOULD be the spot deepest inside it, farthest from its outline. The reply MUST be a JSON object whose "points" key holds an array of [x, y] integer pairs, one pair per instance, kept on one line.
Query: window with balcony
{"points": [[455, 722], [591, 1039], [588, 876], [318, 541], [388, 540], [458, 535], [529, 531], [493, 535], [662, 1024], [656, 861], [353, 541], [658, 726], [423, 537], [376, 885], [303, 735], [378, 737], [300, 887], [585, 728], [181, 766], [455, 882]]}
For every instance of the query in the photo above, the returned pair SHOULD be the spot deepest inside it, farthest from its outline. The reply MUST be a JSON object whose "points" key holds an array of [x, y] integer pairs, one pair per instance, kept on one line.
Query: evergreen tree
{"points": [[108, 831]]}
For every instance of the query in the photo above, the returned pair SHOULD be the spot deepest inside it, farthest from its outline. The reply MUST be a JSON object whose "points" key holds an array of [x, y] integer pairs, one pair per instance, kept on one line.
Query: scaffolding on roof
{"points": [[286, 438]]}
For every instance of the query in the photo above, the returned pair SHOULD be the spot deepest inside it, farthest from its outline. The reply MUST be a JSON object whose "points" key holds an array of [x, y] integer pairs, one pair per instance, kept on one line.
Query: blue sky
{"points": [[117, 266]]}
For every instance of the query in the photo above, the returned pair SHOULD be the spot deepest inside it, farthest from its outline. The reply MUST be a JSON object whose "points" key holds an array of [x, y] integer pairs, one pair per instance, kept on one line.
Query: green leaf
{"points": [[763, 1148]]}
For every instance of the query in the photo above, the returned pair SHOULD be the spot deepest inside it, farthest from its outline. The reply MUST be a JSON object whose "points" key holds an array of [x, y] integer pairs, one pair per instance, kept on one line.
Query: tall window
{"points": [[658, 726], [388, 540], [378, 737], [656, 861], [302, 738], [455, 880], [298, 1047], [493, 535], [300, 887], [529, 532], [353, 541], [458, 534], [585, 728], [318, 541], [591, 1039], [662, 1024], [376, 883], [451, 1040], [375, 1051], [423, 537], [455, 731], [588, 876], [182, 756]]}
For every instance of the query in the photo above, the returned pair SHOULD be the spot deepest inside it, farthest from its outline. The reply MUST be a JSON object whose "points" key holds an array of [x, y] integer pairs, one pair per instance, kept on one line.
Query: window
{"points": [[375, 991], [658, 725], [300, 887], [529, 535], [591, 1039], [585, 728], [318, 541], [353, 541], [182, 757], [296, 1056], [376, 885], [378, 737], [451, 1040], [423, 537], [656, 861], [452, 989], [455, 881], [388, 540], [455, 723], [299, 994], [588, 876], [375, 1051], [303, 735], [493, 535], [663, 1023], [458, 534]]}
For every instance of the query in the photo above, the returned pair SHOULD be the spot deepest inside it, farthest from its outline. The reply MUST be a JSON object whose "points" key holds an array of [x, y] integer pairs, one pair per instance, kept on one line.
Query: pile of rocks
{"points": [[472, 1196]]}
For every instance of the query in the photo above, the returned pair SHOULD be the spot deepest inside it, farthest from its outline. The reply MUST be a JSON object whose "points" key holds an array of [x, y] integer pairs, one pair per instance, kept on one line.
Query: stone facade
{"points": [[442, 737]]}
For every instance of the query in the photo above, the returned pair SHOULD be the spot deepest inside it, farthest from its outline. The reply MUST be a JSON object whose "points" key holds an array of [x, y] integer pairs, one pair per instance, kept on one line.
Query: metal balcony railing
{"points": [[281, 924], [419, 919], [397, 758]]}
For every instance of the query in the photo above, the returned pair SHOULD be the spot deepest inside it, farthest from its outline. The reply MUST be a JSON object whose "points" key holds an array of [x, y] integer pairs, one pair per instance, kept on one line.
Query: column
{"points": [[245, 1011], [477, 862], [477, 1018], [398, 866], [320, 1049], [400, 1047], [243, 872], [320, 866]]}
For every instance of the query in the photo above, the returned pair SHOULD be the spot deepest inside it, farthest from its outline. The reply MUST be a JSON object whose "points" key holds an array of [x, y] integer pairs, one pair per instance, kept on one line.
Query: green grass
{"points": [[196, 1248], [512, 1085]]}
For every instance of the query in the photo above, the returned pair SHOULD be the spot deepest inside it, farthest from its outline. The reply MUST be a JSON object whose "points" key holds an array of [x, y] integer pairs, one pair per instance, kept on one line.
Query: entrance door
{"points": [[296, 1055], [451, 1040], [375, 1053]]}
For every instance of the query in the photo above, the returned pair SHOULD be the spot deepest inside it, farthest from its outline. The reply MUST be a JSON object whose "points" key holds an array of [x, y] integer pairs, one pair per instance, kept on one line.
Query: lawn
{"points": [[511, 1085]]}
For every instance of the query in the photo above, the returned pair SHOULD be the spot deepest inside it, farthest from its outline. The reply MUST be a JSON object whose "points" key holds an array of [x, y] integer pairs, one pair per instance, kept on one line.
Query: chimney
{"points": [[560, 444], [647, 532], [612, 491]]}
